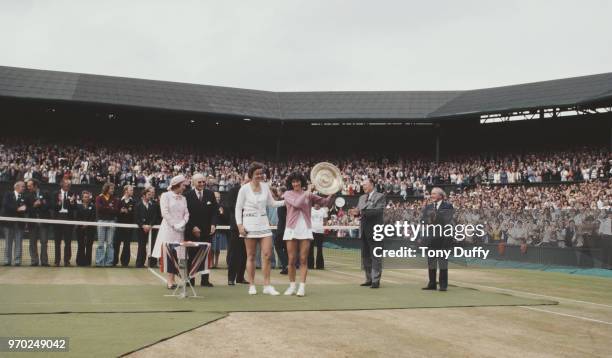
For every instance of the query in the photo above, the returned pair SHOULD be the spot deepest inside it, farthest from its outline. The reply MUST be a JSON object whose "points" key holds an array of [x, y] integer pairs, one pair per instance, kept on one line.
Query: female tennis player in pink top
{"points": [[299, 199]]}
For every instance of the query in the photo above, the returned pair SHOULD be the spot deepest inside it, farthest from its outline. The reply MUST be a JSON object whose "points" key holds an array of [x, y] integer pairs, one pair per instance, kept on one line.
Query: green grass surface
{"points": [[113, 320], [84, 299], [102, 335]]}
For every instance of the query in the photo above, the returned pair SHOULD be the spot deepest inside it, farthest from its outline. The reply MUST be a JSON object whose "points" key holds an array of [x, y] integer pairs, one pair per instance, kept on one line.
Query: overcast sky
{"points": [[313, 45]]}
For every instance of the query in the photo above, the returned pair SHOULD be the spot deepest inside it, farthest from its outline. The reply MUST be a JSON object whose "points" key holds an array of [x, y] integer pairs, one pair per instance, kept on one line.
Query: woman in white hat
{"points": [[175, 215], [253, 225]]}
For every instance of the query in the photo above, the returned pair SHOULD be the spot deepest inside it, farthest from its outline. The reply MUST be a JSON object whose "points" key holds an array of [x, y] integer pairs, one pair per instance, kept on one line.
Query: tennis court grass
{"points": [[147, 298], [102, 334]]}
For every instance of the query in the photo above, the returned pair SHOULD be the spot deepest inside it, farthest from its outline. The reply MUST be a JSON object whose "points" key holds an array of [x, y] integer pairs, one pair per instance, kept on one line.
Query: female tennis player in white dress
{"points": [[253, 224]]}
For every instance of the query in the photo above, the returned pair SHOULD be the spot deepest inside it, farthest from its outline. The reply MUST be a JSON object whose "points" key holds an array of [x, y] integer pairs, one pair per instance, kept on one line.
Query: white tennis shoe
{"points": [[269, 290], [290, 290], [301, 290], [252, 290]]}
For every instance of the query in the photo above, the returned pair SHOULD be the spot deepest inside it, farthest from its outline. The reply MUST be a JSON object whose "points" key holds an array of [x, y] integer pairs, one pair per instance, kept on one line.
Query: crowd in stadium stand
{"points": [[405, 176], [570, 215], [570, 207]]}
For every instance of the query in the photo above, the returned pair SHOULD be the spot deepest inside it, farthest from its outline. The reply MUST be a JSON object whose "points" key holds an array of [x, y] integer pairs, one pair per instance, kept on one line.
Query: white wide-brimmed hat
{"points": [[326, 178], [177, 180]]}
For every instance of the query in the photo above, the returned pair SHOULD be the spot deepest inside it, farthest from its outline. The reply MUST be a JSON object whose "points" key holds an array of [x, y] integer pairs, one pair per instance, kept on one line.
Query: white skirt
{"points": [[300, 232], [256, 226]]}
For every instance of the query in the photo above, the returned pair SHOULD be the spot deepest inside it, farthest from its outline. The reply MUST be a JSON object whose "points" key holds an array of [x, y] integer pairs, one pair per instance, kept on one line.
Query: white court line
{"points": [[528, 293], [157, 274], [566, 315], [490, 287], [537, 294], [150, 269], [545, 296]]}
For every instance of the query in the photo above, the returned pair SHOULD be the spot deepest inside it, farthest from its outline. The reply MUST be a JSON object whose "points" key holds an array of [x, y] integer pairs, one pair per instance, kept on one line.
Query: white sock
{"points": [[291, 284], [302, 285]]}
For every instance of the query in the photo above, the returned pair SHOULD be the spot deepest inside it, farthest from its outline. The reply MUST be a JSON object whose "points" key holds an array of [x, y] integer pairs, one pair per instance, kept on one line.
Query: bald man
{"points": [[440, 212], [203, 211]]}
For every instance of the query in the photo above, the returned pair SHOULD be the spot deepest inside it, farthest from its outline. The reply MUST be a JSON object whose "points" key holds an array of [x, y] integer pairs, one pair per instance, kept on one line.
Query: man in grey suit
{"points": [[370, 209]]}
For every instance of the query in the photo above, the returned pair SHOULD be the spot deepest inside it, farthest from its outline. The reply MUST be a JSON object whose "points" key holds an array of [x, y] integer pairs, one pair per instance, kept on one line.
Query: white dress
{"points": [[251, 210], [300, 232]]}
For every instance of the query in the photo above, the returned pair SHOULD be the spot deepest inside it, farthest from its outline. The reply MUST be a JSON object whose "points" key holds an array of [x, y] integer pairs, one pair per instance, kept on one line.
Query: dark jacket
{"points": [[442, 216], [281, 212], [126, 218], [231, 198], [10, 204], [202, 214], [57, 201], [146, 216], [223, 219], [86, 213], [44, 210], [106, 209], [372, 213]]}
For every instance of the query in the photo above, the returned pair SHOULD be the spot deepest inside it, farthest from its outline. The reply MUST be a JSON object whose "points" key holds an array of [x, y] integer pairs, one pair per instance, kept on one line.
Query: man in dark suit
{"points": [[441, 213], [124, 235], [38, 203], [146, 216], [370, 208], [279, 244], [236, 250], [14, 205], [203, 211], [64, 205], [85, 234]]}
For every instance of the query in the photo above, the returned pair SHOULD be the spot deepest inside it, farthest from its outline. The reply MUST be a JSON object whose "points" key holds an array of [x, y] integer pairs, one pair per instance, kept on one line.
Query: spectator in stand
{"points": [[64, 205], [126, 165], [14, 205], [124, 235], [86, 234], [38, 203], [107, 208]]}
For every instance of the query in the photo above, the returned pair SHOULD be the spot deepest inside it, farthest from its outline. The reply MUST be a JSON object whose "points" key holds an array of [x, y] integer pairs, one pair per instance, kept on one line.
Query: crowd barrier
{"points": [[46, 229], [345, 246]]}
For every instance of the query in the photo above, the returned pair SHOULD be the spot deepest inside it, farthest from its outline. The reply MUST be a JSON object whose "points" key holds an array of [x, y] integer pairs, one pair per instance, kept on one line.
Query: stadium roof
{"points": [[312, 106]]}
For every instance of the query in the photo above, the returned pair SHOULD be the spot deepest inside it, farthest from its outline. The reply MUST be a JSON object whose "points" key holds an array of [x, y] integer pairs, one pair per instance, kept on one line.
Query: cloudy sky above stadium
{"points": [[313, 45]]}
